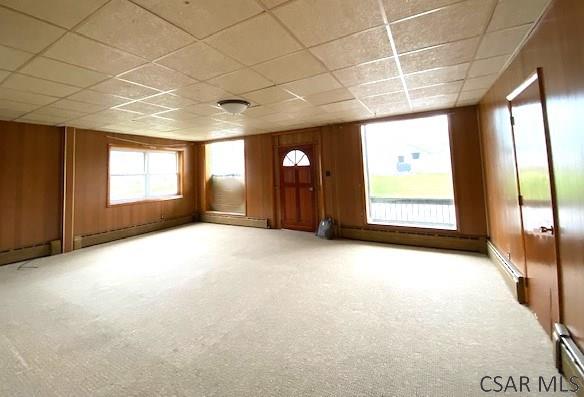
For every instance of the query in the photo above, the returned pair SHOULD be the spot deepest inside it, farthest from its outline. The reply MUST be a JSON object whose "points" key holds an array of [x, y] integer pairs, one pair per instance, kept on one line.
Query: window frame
{"points": [[127, 148], [365, 178]]}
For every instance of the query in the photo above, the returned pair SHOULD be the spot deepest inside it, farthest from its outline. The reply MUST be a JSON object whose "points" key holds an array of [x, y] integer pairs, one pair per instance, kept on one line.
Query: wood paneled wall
{"points": [[92, 215], [30, 184], [339, 167], [555, 46]]}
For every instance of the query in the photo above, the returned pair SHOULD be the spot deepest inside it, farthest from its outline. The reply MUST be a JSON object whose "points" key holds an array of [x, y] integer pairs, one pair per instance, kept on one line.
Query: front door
{"points": [[297, 189], [536, 200]]}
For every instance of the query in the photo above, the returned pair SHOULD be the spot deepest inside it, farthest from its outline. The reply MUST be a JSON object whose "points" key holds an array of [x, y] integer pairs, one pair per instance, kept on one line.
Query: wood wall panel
{"points": [[556, 47], [92, 215], [30, 184], [467, 171], [259, 177]]}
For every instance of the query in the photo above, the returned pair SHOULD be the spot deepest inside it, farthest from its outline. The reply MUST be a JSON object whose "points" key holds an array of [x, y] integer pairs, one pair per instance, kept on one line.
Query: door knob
{"points": [[545, 229]]}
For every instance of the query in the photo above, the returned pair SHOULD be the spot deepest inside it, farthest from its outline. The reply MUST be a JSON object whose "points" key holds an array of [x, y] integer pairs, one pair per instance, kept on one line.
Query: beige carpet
{"points": [[210, 310]]}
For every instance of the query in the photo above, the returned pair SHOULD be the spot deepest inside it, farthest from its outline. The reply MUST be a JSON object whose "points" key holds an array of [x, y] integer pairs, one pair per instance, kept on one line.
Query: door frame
{"points": [[312, 148], [538, 77]]}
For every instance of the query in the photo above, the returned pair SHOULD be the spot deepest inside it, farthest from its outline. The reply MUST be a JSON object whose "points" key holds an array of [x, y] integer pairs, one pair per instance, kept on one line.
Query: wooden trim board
{"points": [[429, 240], [512, 276]]}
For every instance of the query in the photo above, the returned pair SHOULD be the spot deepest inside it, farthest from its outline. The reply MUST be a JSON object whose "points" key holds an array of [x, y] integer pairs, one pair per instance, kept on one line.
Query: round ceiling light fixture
{"points": [[233, 106]]}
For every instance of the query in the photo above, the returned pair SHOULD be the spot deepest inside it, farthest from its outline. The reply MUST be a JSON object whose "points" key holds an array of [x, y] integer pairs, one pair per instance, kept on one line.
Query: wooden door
{"points": [[298, 201], [536, 200]]}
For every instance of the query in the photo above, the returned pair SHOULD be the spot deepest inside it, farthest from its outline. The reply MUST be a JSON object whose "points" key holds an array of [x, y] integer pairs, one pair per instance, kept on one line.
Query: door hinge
{"points": [[520, 199]]}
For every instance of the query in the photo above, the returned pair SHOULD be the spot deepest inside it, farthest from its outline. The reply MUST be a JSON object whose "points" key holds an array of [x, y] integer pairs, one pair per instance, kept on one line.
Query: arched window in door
{"points": [[296, 158]]}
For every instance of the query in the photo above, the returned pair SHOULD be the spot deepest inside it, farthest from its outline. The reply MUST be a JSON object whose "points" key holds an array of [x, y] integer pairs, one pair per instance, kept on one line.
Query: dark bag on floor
{"points": [[325, 229]]}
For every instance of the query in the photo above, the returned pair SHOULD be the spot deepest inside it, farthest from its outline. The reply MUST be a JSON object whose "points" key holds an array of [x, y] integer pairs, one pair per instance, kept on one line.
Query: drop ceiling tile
{"points": [[128, 27], [158, 77], [272, 3], [323, 98], [84, 107], [381, 69], [436, 90], [377, 101], [202, 92], [259, 111], [25, 97], [32, 84], [12, 59], [65, 13], [268, 95], [45, 119], [436, 102], [355, 49], [291, 67], [241, 81], [3, 74], [26, 33], [200, 61], [377, 87], [65, 114], [398, 9], [19, 107], [143, 107], [472, 95], [110, 116], [511, 13], [204, 109], [7, 114], [290, 106], [80, 51], [486, 66], [436, 76], [202, 17], [50, 69], [456, 22], [98, 98], [439, 56], [256, 40], [314, 22], [170, 101], [390, 108], [344, 106], [479, 82], [124, 89], [180, 114], [502, 42], [313, 85]]}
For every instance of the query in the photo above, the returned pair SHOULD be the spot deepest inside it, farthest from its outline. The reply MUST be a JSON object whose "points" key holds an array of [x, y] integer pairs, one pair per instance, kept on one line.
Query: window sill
{"points": [[143, 201], [410, 228]]}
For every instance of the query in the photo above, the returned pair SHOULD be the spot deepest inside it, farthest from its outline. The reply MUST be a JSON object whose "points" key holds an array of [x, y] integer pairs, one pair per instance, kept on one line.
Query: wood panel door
{"points": [[298, 200], [536, 200]]}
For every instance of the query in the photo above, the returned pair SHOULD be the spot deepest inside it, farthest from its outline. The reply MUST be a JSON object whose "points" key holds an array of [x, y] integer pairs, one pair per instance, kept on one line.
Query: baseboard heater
{"points": [[513, 277], [569, 358], [235, 220], [118, 234], [31, 252], [429, 240]]}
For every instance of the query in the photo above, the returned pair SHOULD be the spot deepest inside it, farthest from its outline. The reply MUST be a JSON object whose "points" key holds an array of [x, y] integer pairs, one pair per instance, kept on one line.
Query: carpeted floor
{"points": [[210, 310]]}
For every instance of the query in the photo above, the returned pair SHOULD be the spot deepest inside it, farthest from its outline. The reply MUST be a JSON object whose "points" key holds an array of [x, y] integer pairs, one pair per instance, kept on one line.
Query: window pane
{"points": [[409, 173], [126, 188], [226, 158], [162, 163], [163, 185], [125, 162]]}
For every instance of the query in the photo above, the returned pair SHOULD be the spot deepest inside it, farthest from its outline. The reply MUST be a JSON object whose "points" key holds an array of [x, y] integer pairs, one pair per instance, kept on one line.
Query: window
{"points": [[296, 157], [408, 173], [226, 176], [139, 175]]}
